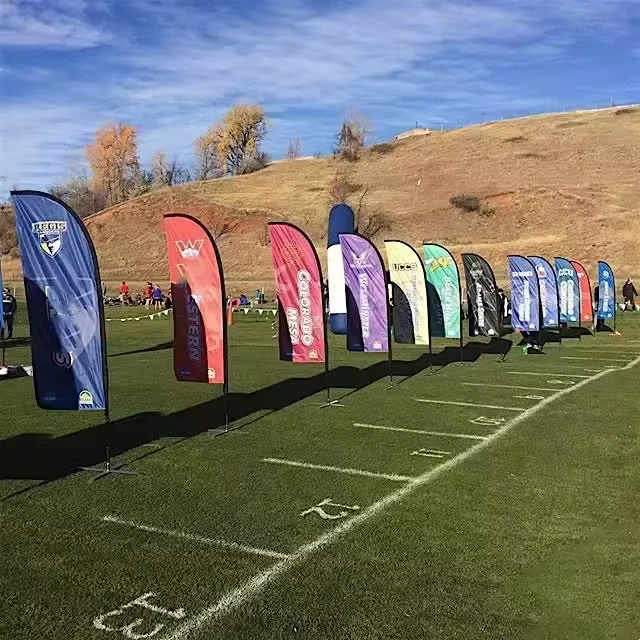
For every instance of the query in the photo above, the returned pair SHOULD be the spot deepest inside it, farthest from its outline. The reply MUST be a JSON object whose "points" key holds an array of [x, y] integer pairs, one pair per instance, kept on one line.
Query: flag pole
{"points": [[387, 285], [325, 333]]}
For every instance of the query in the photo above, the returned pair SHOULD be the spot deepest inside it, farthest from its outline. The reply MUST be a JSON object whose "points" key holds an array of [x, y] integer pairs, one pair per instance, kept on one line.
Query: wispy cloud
{"points": [[171, 73], [60, 24]]}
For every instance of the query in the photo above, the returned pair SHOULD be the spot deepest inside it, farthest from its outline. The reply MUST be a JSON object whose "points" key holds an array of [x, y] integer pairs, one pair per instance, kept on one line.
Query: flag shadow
{"points": [[45, 458]]}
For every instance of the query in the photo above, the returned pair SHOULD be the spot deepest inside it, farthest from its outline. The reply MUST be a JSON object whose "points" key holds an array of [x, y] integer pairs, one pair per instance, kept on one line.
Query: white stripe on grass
{"points": [[469, 404], [439, 434], [506, 386], [597, 359], [223, 544], [253, 586], [352, 472], [548, 374]]}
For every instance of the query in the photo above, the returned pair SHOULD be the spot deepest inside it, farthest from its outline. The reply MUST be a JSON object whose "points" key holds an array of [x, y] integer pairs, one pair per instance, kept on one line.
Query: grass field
{"points": [[513, 514]]}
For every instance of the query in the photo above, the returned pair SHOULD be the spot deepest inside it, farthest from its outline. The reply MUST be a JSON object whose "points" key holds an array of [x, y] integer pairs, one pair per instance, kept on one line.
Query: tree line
{"points": [[231, 146]]}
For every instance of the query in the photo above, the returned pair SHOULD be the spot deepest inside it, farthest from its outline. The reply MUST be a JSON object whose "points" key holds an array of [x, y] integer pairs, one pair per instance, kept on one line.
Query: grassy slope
{"points": [[534, 538], [560, 184]]}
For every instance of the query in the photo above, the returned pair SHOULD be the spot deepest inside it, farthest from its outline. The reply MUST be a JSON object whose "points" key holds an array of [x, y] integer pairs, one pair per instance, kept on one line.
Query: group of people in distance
{"points": [[151, 296]]}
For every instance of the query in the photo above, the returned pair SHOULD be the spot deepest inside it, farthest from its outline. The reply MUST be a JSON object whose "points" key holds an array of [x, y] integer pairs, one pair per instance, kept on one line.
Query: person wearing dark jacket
{"points": [[629, 294], [9, 307]]}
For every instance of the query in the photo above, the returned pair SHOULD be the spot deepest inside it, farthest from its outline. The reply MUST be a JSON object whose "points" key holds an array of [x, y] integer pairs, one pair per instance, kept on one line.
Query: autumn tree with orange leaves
{"points": [[113, 158]]}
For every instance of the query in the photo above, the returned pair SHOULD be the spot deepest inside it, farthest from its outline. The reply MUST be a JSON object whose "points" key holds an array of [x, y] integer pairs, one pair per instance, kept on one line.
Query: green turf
{"points": [[535, 537]]}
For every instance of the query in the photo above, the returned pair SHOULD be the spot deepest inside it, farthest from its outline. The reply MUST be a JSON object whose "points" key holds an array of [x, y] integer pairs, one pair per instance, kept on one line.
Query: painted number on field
{"points": [[319, 509], [488, 422], [139, 628], [430, 453]]}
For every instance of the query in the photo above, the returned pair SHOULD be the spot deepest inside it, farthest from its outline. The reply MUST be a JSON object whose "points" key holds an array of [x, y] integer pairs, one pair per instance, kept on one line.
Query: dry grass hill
{"points": [[562, 184]]}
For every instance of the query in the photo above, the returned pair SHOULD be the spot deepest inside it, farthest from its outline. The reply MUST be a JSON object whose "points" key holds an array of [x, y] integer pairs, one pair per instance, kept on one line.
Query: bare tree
{"points": [[222, 226], [372, 223], [140, 183], [351, 139], [263, 235], [294, 149], [167, 173], [160, 170], [207, 160], [76, 191], [178, 174], [342, 187]]}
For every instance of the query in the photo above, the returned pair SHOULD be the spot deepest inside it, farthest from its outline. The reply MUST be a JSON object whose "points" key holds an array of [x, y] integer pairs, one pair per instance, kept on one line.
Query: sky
{"points": [[172, 68]]}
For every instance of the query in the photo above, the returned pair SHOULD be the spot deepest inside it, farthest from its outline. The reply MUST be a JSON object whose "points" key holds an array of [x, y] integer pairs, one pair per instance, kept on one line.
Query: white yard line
{"points": [[506, 386], [612, 350], [223, 544], [352, 472], [547, 374], [440, 434], [253, 586], [469, 404], [596, 359]]}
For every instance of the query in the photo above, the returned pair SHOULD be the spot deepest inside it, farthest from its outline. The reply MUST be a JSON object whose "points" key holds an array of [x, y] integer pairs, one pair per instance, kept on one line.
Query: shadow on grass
{"points": [[45, 458], [10, 343], [156, 347], [571, 333]]}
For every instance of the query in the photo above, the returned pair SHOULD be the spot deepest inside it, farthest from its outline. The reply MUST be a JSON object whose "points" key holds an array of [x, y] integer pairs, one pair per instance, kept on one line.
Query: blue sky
{"points": [[172, 68]]}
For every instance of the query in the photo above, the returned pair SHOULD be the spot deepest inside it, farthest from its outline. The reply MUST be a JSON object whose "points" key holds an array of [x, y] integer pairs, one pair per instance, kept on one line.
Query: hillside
{"points": [[561, 184]]}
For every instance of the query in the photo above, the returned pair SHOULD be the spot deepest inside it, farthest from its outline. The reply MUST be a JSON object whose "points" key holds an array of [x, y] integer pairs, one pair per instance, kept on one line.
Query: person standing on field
{"points": [[9, 308], [157, 297], [124, 293], [629, 294], [148, 291]]}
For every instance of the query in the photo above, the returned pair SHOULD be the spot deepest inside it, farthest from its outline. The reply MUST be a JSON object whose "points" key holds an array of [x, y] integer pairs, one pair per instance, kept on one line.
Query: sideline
{"points": [[252, 587]]}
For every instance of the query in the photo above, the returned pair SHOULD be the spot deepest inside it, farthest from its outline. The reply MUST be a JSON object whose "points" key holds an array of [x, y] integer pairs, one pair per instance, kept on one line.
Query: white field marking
{"points": [[506, 386], [223, 544], [440, 434], [353, 472], [488, 422], [253, 586], [327, 502], [580, 367], [530, 397], [610, 350], [430, 453], [548, 374], [469, 404], [596, 359]]}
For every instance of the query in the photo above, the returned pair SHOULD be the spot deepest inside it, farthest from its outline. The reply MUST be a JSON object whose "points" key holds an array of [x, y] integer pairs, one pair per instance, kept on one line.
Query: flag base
{"points": [[222, 432], [328, 403], [107, 470]]}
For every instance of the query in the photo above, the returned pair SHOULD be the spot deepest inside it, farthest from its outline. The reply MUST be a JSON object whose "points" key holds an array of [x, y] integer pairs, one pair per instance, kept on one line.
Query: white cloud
{"points": [[58, 24], [435, 62]]}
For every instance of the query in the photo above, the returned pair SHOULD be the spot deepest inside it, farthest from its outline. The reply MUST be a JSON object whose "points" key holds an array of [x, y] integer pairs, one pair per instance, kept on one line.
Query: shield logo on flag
{"points": [[50, 235]]}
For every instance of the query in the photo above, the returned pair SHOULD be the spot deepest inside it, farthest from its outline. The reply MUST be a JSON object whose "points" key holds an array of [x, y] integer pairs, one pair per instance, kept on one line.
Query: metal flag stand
{"points": [[327, 378], [225, 341], [390, 354], [108, 467]]}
